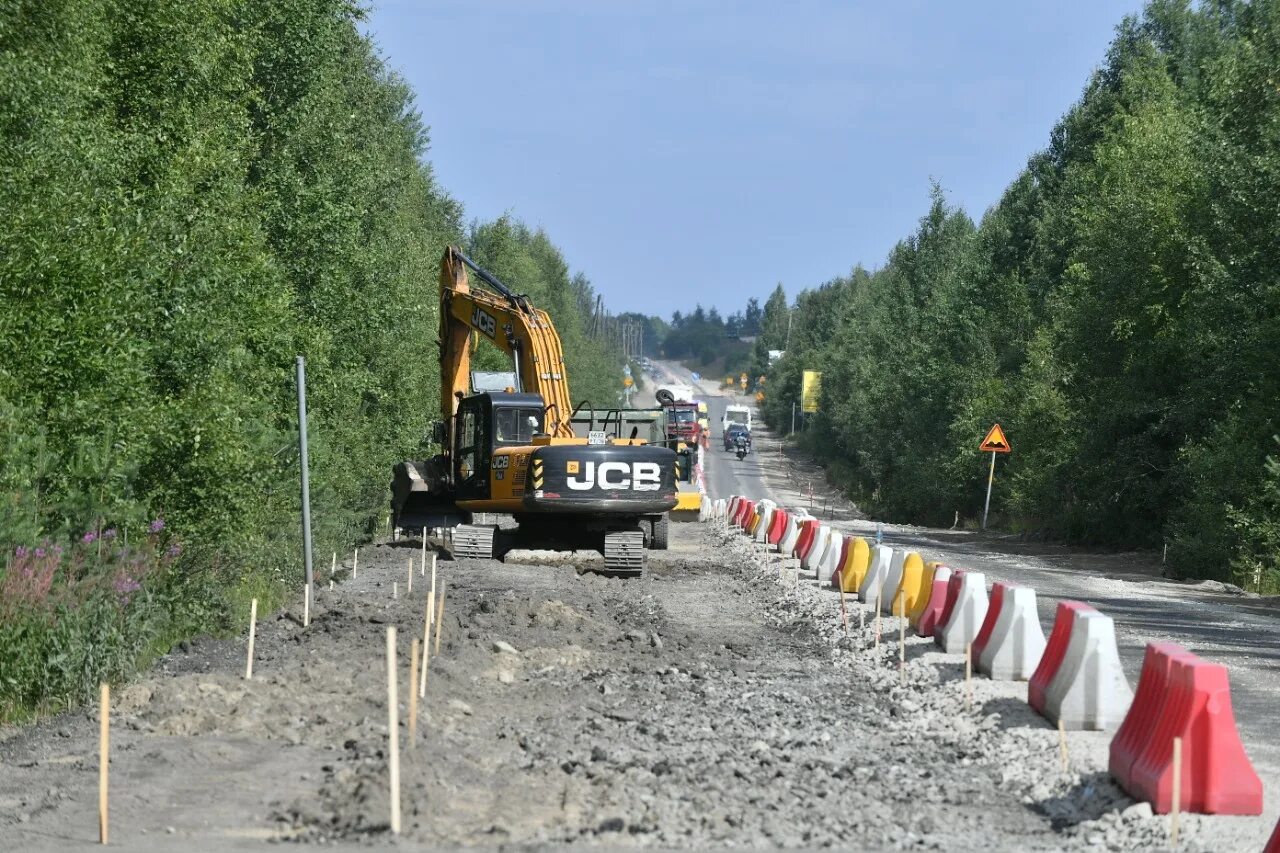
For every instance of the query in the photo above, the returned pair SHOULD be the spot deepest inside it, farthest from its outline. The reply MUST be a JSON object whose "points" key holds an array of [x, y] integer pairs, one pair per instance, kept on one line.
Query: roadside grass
{"points": [[98, 609]]}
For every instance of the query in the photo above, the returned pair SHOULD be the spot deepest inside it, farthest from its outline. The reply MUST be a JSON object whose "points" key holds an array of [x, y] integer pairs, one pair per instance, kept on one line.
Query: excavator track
{"points": [[624, 552], [475, 541]]}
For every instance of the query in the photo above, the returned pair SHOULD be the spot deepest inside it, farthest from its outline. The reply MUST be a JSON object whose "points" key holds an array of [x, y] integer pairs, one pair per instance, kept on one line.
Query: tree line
{"points": [[191, 193], [1117, 311]]}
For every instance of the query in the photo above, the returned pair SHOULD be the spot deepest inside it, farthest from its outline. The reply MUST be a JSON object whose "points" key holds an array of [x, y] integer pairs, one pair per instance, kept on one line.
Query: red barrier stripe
{"points": [[1054, 652]]}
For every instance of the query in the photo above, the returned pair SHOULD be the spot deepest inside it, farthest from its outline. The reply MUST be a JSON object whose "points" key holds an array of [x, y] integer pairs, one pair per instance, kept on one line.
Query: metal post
{"points": [[306, 479], [990, 479], [793, 417]]}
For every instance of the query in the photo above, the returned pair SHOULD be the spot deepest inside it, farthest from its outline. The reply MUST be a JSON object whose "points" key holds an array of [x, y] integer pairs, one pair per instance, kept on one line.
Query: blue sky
{"points": [[702, 151]]}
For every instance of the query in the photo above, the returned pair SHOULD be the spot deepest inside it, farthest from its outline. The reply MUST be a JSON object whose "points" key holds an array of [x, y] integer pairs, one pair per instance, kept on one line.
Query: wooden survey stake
{"points": [[393, 730], [253, 624], [104, 756], [413, 694], [439, 616]]}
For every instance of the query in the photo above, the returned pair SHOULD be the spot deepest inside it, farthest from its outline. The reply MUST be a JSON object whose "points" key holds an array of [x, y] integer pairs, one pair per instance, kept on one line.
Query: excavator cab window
{"points": [[516, 426]]}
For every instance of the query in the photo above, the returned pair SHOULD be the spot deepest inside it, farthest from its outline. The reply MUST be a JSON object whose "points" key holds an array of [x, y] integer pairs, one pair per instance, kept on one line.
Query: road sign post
{"points": [[991, 478], [994, 443]]}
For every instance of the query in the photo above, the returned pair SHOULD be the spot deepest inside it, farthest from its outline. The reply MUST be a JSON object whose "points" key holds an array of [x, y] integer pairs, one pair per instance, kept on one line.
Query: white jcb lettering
{"points": [[588, 480], [646, 477], [638, 476], [607, 468]]}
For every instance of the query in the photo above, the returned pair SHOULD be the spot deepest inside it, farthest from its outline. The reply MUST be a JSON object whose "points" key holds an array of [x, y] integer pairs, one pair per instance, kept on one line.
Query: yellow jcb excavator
{"points": [[515, 452]]}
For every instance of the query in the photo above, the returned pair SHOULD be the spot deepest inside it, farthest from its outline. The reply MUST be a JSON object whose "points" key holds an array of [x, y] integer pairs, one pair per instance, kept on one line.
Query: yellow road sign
{"points": [[810, 390], [995, 442]]}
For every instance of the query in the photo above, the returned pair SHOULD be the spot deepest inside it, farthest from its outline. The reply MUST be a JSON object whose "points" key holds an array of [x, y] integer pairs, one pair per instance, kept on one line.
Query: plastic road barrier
{"points": [[989, 623], [856, 562], [953, 593], [816, 546], [1054, 651], [764, 515], [1149, 700], [912, 586], [808, 530], [873, 583], [1012, 651], [1216, 775], [840, 561], [777, 526], [792, 534], [1089, 690], [926, 620], [892, 581], [926, 592], [833, 557], [967, 614]]}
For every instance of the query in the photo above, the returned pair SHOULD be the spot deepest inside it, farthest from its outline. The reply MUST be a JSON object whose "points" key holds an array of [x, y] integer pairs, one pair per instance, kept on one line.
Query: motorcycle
{"points": [[742, 449]]}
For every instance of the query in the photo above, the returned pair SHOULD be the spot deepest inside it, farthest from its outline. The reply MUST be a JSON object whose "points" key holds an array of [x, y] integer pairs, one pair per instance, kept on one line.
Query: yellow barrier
{"points": [[856, 562], [912, 586], [926, 589]]}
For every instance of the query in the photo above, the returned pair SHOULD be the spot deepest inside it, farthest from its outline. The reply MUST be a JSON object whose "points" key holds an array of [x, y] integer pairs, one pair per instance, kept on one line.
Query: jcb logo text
{"points": [[637, 476], [484, 321]]}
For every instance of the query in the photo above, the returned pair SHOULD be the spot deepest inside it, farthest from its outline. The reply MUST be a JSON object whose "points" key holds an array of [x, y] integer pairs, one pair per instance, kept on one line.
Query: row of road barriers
{"points": [[1074, 677]]}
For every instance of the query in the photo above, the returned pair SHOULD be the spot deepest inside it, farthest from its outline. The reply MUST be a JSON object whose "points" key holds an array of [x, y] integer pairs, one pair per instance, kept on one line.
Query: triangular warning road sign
{"points": [[995, 442]]}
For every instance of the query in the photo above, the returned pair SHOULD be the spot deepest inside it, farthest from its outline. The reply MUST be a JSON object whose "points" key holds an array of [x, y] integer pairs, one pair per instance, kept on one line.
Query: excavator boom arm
{"points": [[511, 324]]}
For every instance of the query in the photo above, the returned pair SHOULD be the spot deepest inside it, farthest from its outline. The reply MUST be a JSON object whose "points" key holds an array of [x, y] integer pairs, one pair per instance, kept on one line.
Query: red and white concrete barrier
{"points": [[1054, 653], [873, 583], [1010, 650], [1089, 690], [792, 534], [892, 580], [967, 614]]}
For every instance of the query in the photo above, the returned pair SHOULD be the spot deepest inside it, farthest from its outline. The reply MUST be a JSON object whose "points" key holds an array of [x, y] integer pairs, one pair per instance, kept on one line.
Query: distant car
{"points": [[732, 433]]}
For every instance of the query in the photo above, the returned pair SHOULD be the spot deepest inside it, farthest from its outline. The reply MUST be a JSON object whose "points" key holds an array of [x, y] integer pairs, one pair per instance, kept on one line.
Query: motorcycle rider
{"points": [[742, 444]]}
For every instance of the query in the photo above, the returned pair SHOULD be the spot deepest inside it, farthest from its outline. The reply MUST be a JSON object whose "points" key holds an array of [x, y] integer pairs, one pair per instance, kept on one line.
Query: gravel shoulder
{"points": [[1214, 621]]}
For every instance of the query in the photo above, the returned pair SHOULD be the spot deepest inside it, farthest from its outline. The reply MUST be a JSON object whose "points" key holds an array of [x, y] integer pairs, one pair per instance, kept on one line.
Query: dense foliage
{"points": [[716, 344], [1118, 312], [191, 193]]}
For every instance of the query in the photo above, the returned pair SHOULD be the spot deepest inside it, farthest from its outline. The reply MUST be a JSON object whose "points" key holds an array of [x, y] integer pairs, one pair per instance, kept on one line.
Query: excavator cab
{"points": [[484, 423]]}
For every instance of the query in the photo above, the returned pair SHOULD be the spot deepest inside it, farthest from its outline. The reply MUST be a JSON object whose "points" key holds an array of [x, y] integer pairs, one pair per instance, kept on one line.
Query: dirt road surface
{"points": [[716, 702]]}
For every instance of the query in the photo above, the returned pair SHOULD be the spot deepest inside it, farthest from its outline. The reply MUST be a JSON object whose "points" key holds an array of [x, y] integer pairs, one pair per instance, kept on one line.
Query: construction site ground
{"points": [[719, 701]]}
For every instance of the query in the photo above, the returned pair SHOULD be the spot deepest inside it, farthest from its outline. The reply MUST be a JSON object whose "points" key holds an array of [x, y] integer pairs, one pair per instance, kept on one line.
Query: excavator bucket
{"points": [[415, 505]]}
